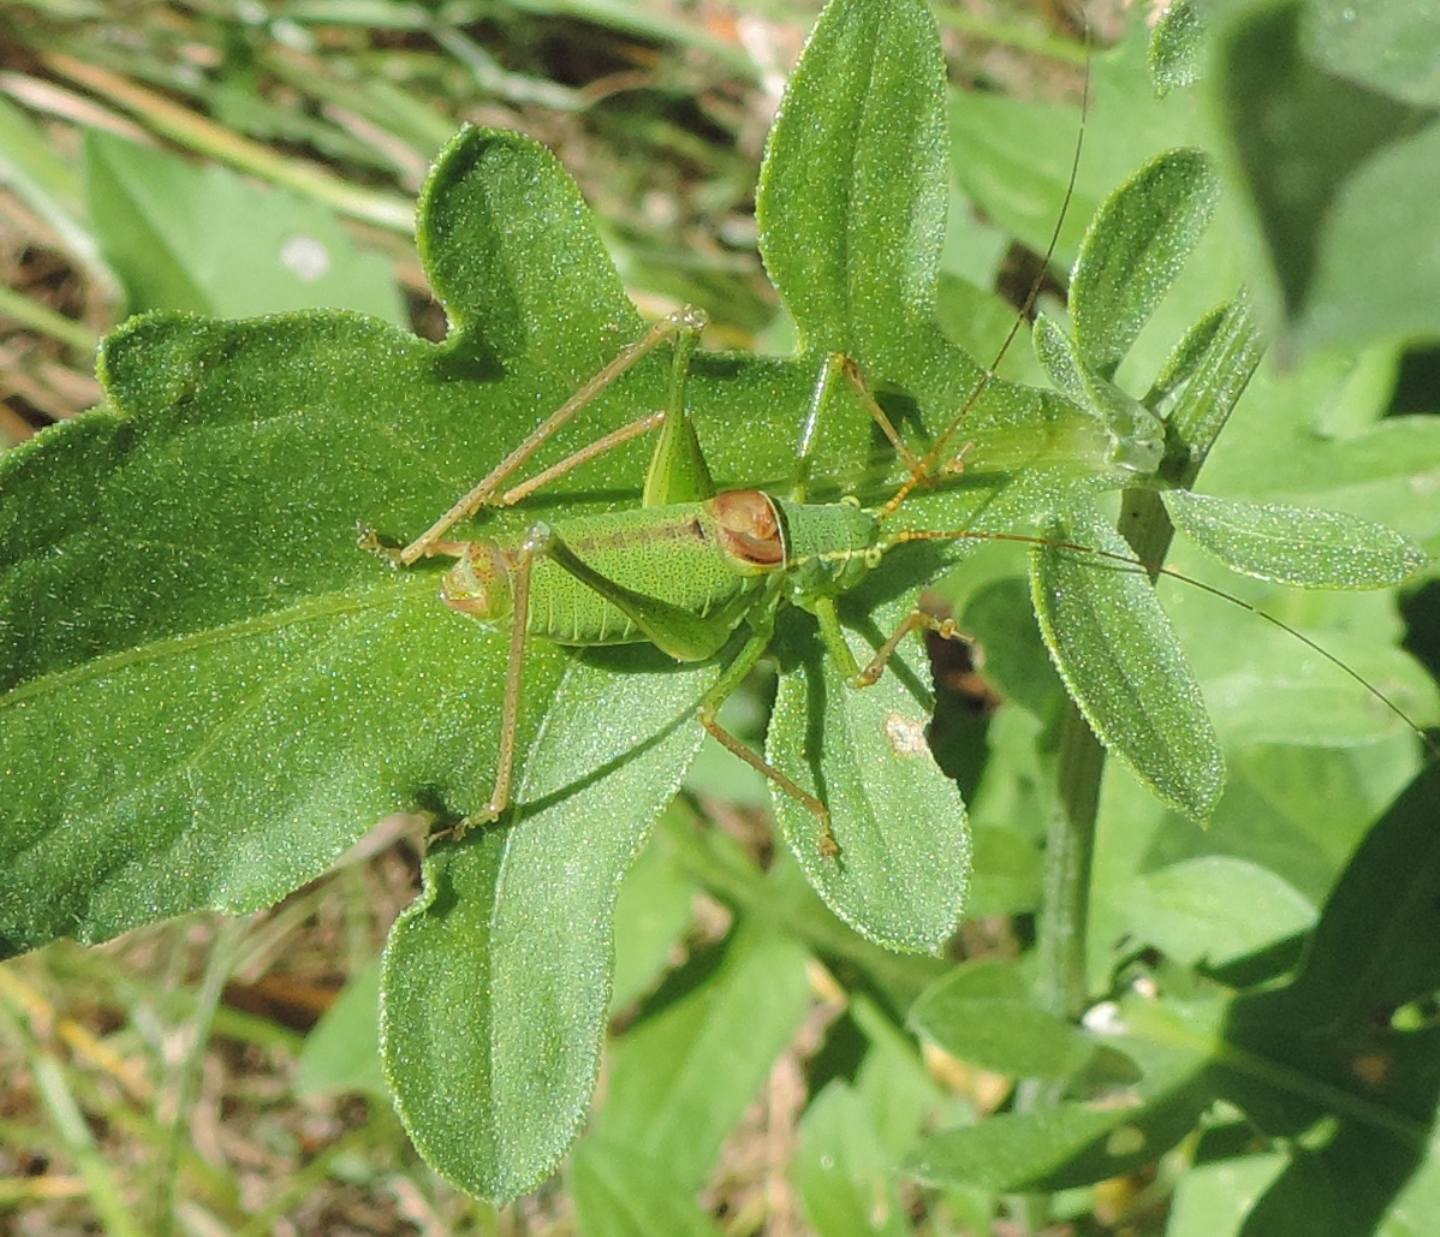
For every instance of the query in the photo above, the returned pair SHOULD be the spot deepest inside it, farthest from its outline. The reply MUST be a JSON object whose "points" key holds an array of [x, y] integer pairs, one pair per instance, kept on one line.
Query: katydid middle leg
{"points": [[866, 676], [835, 364], [734, 674]]}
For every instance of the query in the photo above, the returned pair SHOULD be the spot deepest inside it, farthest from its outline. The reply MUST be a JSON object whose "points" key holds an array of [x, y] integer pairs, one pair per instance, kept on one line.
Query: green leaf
{"points": [[209, 523], [841, 1169], [1214, 909], [496, 981], [1176, 46], [342, 1052], [852, 211], [653, 911], [852, 221], [1295, 545], [618, 1193], [981, 1013], [1388, 45], [904, 864], [1337, 177], [206, 240], [684, 1074], [1213, 1198], [1372, 947], [1186, 357], [1069, 1145], [1133, 251], [1377, 265], [1117, 652]]}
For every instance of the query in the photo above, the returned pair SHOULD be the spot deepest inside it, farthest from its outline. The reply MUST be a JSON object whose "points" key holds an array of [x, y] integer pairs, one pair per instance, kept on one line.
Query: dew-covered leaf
{"points": [[1295, 545], [1117, 652], [1133, 251]]}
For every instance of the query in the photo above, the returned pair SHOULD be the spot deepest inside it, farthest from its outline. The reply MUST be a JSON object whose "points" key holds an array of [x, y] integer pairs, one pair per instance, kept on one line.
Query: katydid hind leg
{"points": [[514, 682], [682, 323]]}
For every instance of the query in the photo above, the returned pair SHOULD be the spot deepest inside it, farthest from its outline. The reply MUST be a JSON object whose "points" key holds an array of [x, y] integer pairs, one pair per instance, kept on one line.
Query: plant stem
{"points": [[1060, 986], [41, 318]]}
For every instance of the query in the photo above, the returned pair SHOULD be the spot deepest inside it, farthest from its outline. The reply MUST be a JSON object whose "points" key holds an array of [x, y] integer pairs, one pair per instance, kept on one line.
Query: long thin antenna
{"points": [[1139, 565], [929, 461]]}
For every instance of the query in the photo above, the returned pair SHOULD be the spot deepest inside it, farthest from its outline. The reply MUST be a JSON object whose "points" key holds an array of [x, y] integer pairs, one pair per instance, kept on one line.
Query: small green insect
{"points": [[688, 567]]}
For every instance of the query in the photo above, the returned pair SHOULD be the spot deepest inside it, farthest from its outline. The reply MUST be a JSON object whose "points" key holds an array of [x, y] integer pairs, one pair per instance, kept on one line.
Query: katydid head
{"points": [[479, 582]]}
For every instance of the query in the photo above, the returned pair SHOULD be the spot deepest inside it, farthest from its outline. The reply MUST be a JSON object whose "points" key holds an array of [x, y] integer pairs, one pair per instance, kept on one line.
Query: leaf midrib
{"points": [[337, 603]]}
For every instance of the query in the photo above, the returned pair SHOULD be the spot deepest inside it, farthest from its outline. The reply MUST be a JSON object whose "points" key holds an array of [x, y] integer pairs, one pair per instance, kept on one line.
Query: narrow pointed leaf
{"points": [[842, 1171], [1295, 545], [904, 864], [495, 984], [1176, 46], [619, 1193], [1133, 251], [1185, 358], [1117, 652], [685, 1073], [1070, 1145]]}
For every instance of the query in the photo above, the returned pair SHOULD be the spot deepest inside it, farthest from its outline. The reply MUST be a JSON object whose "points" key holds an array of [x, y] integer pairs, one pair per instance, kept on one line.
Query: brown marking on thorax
{"points": [[749, 527]]}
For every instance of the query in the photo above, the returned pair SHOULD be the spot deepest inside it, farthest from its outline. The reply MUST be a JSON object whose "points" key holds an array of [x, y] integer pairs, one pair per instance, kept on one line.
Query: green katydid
{"points": [[690, 566], [685, 569]]}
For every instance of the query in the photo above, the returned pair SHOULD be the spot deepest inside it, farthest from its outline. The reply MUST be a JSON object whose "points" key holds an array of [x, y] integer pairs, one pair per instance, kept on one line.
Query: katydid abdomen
{"points": [[707, 559]]}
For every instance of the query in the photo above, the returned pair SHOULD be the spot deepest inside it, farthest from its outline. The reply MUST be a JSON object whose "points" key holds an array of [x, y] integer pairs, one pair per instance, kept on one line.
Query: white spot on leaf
{"points": [[906, 735]]}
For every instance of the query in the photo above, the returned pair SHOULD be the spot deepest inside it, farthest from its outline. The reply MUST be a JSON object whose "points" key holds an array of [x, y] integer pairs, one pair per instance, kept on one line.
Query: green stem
{"points": [[1060, 986]]}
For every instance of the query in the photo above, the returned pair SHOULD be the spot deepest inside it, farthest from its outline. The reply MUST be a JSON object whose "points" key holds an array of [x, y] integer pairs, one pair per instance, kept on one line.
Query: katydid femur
{"points": [[685, 569]]}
